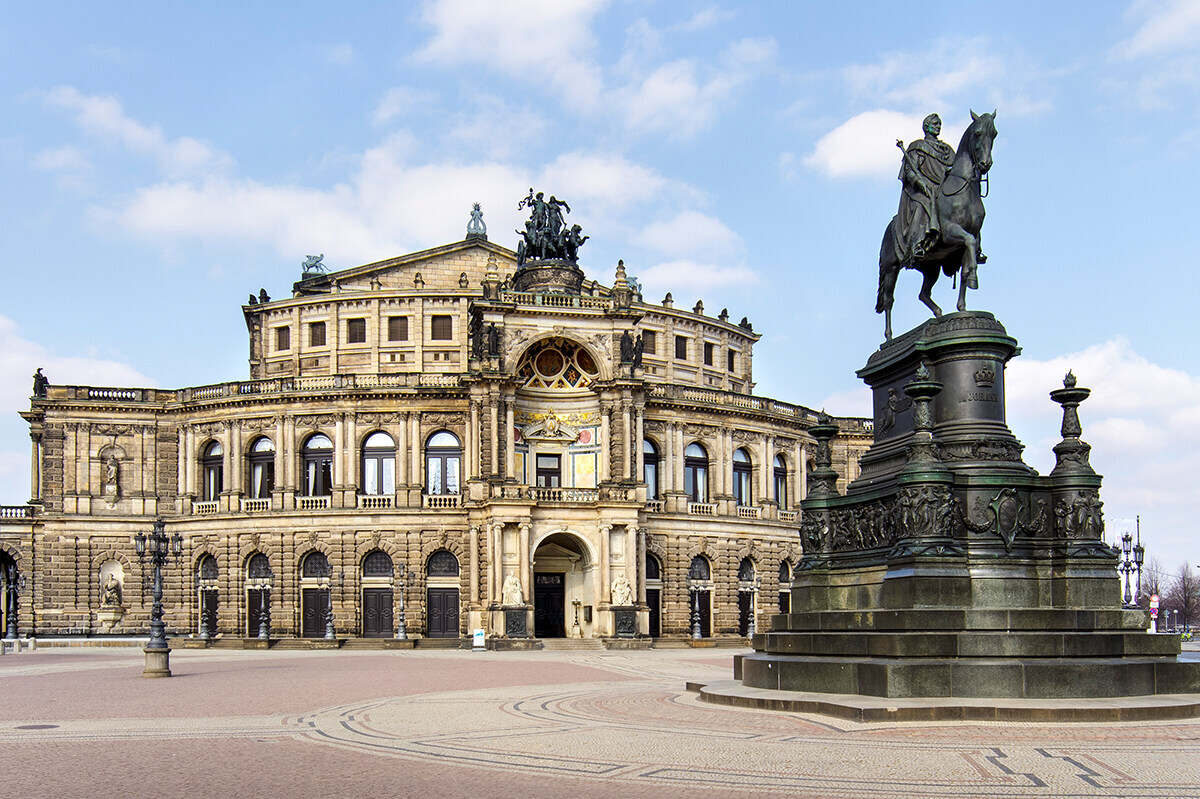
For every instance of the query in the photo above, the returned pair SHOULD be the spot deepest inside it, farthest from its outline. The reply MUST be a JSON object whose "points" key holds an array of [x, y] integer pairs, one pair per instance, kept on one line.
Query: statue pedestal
{"points": [[109, 617], [515, 622], [624, 622], [950, 568], [549, 276]]}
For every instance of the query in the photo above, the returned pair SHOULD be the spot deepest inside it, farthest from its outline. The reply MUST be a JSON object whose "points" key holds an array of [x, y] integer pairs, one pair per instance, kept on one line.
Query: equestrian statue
{"points": [[936, 228]]}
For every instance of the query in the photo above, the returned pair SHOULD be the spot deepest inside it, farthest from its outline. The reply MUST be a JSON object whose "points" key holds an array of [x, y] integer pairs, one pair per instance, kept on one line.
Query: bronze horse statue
{"points": [[960, 213]]}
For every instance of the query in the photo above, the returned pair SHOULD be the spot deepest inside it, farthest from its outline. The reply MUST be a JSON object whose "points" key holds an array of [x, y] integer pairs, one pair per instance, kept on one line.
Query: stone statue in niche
{"points": [[111, 594], [511, 593], [112, 475], [622, 591]]}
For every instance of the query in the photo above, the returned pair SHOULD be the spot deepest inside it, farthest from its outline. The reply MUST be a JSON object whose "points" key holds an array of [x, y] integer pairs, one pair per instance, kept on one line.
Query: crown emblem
{"points": [[985, 377]]}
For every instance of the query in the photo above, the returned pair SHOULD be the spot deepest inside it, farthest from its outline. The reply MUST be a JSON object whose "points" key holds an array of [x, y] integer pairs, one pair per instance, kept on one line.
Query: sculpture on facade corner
{"points": [[312, 263], [546, 235], [511, 593], [626, 347], [476, 226], [263, 297], [111, 595], [936, 228], [622, 591], [40, 383]]}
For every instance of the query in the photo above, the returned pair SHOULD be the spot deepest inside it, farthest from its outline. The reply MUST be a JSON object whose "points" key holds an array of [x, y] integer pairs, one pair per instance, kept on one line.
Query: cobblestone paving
{"points": [[575, 724]]}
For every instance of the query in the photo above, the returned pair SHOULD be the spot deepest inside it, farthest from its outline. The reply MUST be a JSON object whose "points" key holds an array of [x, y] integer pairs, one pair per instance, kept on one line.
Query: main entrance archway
{"points": [[563, 592]]}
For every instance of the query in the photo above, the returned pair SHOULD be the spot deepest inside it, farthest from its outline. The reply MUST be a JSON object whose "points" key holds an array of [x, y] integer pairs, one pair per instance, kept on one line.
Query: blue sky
{"points": [[162, 160]]}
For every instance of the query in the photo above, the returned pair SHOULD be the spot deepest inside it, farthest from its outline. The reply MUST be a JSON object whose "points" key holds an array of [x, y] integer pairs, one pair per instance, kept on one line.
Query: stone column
{"points": [[473, 532], [510, 452], [767, 469], [352, 463], [496, 547], [35, 467], [181, 458], [494, 431], [189, 463], [402, 446], [526, 564], [640, 565], [605, 594], [414, 448], [474, 451], [639, 436], [626, 435], [677, 464], [605, 440], [802, 472], [339, 455]]}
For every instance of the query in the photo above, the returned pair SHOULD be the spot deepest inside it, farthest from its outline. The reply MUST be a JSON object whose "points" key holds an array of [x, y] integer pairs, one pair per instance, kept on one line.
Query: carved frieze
{"points": [[1080, 516], [440, 418], [1011, 513], [316, 420], [986, 449], [925, 511]]}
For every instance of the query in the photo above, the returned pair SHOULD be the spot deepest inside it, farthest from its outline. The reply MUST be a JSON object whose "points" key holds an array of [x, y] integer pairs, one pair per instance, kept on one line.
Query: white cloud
{"points": [[58, 159], [340, 54], [690, 233], [694, 276], [864, 145], [19, 357], [104, 117], [544, 42], [106, 52], [704, 18], [1167, 27], [852, 402], [400, 101], [1139, 420], [491, 128]]}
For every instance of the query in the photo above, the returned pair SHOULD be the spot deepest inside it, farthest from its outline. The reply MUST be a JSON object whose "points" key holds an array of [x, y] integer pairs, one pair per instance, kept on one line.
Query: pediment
{"points": [[440, 269]]}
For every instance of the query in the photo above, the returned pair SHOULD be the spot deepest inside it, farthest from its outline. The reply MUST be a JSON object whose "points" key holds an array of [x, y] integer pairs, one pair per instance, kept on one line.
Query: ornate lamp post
{"points": [[695, 592], [330, 633], [1126, 566], [264, 614], [1139, 557], [401, 624], [158, 547], [15, 583]]}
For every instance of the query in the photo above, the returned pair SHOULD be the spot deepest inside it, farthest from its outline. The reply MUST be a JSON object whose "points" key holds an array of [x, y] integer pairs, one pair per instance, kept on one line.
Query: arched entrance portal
{"points": [[563, 591]]}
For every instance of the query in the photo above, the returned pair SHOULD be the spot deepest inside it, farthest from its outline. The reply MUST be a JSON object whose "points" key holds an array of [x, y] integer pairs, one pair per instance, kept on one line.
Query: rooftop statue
{"points": [[546, 235], [936, 228], [476, 226], [312, 263]]}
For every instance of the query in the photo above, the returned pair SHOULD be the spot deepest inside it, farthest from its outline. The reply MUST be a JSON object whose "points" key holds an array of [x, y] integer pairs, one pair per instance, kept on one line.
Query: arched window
{"points": [[258, 567], [746, 571], [442, 564], [781, 481], [206, 569], [318, 466], [377, 563], [262, 468], [443, 455], [699, 570], [695, 473], [315, 564], [741, 477], [212, 464], [653, 567], [650, 470], [379, 464]]}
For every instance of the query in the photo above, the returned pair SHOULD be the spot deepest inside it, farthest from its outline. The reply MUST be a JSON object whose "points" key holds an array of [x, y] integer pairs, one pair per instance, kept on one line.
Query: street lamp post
{"points": [[1126, 567], [15, 584], [158, 547], [330, 633], [401, 626], [264, 612]]}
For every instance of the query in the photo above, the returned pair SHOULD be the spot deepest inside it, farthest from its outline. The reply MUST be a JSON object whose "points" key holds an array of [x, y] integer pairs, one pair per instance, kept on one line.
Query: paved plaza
{"points": [[81, 722]]}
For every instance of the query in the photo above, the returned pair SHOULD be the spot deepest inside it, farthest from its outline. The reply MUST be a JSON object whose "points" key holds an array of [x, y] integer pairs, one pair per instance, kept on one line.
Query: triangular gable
{"points": [[440, 269]]}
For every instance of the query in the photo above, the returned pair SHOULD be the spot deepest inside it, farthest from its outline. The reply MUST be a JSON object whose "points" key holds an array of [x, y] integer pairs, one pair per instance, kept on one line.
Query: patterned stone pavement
{"points": [[580, 724]]}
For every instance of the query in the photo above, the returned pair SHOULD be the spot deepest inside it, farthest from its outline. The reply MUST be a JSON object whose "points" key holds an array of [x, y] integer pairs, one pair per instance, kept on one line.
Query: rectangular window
{"points": [[441, 328], [732, 361], [708, 353], [681, 348], [356, 331], [283, 338], [316, 334], [549, 471], [649, 343], [397, 328]]}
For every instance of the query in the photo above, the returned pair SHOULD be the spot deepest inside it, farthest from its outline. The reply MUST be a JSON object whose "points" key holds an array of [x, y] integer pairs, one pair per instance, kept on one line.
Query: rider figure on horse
{"points": [[922, 172]]}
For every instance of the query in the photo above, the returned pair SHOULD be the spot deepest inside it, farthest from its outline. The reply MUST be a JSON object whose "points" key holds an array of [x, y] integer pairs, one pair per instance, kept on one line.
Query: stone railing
{"points": [[702, 509], [205, 508], [749, 512], [508, 492], [655, 506], [787, 515], [17, 511], [256, 505], [564, 494], [312, 503], [375, 501], [556, 300], [734, 401], [441, 500]]}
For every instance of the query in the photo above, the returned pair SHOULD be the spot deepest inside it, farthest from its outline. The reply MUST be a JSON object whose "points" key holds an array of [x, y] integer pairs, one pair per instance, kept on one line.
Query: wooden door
{"points": [[208, 609], [442, 613], [745, 609], [654, 600], [377, 613], [549, 606], [255, 599], [313, 604], [704, 599]]}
